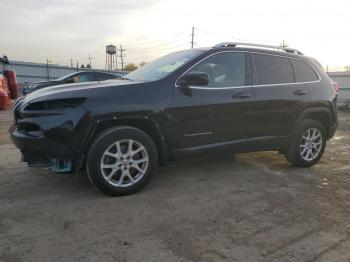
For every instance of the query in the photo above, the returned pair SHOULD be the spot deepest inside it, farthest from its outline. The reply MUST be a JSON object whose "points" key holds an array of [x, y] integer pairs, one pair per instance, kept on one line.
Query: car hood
{"points": [[75, 90], [35, 85], [45, 82]]}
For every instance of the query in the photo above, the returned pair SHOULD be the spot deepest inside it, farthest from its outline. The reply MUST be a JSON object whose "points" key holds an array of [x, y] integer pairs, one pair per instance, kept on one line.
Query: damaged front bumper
{"points": [[52, 139]]}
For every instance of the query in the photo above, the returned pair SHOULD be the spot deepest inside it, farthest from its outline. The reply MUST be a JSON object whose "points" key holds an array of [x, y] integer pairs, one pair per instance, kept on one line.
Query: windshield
{"points": [[162, 66]]}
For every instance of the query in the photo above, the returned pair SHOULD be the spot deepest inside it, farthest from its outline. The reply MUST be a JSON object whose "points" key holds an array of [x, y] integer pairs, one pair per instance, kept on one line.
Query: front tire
{"points": [[121, 161], [307, 145]]}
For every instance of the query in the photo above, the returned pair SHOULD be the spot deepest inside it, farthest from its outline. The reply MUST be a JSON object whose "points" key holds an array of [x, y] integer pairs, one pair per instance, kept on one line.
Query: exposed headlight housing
{"points": [[59, 104]]}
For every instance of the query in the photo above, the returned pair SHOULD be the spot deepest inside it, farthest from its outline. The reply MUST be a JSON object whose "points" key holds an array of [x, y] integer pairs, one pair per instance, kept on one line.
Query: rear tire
{"points": [[121, 161], [307, 145]]}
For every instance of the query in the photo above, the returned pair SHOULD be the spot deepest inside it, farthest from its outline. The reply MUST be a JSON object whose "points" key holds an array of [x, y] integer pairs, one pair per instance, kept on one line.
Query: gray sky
{"points": [[33, 30]]}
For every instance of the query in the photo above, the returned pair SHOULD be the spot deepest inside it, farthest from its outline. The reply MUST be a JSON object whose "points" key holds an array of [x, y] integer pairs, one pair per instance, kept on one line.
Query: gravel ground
{"points": [[247, 207]]}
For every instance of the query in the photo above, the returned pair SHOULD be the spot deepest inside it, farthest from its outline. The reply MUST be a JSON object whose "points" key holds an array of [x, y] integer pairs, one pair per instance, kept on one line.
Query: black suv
{"points": [[244, 97]]}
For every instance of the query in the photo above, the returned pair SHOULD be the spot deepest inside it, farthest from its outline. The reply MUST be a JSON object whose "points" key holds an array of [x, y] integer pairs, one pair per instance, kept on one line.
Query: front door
{"points": [[216, 113]]}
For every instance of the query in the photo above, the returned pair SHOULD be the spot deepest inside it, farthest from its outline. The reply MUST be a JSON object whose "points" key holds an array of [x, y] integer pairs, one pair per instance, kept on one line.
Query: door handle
{"points": [[300, 92], [241, 96]]}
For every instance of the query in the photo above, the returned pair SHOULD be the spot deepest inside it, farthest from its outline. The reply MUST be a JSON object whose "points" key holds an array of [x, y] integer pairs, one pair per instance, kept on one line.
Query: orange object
{"points": [[5, 100], [12, 83]]}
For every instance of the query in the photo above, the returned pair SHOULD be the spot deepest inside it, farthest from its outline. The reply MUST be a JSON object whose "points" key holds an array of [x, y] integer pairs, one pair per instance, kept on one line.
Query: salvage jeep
{"points": [[238, 96]]}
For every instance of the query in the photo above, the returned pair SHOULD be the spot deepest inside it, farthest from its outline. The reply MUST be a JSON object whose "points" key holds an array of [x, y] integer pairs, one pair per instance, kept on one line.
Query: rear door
{"points": [[279, 99], [214, 113]]}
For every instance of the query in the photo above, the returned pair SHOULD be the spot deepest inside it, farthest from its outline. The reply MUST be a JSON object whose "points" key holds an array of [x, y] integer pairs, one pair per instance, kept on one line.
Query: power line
{"points": [[181, 33], [174, 47], [161, 49], [159, 45], [203, 31], [151, 43]]}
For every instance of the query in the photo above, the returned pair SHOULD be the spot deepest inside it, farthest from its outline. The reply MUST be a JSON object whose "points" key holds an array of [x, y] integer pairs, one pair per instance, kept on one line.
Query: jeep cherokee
{"points": [[239, 96]]}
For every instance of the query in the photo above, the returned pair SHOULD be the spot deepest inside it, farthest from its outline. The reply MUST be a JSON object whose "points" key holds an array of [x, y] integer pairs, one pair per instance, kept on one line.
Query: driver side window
{"points": [[224, 69]]}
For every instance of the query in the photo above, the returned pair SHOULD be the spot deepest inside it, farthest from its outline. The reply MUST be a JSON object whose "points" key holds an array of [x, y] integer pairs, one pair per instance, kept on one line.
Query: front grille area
{"points": [[28, 127], [16, 108], [16, 115]]}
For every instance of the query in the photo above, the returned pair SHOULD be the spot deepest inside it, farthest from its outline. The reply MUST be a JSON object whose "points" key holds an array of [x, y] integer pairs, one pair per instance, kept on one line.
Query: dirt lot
{"points": [[248, 207]]}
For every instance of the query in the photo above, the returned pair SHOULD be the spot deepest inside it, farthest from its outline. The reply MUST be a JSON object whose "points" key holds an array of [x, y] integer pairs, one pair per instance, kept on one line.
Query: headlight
{"points": [[59, 104]]}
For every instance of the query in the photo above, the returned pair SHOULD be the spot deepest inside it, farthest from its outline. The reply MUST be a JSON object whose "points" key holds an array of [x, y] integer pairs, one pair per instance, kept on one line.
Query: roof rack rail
{"points": [[234, 44]]}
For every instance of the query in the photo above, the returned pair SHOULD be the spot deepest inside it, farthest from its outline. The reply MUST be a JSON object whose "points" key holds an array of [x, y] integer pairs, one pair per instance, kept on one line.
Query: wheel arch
{"points": [[147, 125], [320, 114]]}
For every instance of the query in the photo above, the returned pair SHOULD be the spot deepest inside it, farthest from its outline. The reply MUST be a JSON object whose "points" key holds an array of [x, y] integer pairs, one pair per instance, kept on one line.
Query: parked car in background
{"points": [[238, 96], [77, 77]]}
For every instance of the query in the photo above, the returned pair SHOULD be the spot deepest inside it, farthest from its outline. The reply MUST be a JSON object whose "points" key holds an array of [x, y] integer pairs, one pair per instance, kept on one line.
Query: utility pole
{"points": [[192, 38], [121, 50], [47, 69], [284, 44], [90, 58], [71, 62]]}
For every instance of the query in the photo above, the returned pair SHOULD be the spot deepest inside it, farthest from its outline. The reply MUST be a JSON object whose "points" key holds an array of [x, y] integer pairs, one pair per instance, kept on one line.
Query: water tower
{"points": [[111, 57]]}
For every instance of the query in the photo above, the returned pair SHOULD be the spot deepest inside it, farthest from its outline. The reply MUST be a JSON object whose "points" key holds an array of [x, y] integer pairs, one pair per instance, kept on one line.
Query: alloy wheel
{"points": [[124, 163], [311, 144]]}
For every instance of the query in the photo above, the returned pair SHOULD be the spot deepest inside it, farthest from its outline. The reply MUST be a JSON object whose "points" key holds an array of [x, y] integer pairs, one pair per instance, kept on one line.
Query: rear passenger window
{"points": [[303, 72], [273, 69]]}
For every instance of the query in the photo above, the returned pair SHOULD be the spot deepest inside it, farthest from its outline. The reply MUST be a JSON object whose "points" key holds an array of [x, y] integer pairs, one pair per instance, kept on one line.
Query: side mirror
{"points": [[194, 79]]}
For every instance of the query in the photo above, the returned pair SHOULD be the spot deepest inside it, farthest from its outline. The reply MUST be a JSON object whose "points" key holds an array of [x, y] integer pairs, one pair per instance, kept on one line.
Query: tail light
{"points": [[336, 87]]}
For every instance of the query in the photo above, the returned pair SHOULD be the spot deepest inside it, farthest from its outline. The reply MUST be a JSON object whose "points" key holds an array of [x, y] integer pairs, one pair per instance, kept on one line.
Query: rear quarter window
{"points": [[273, 69], [303, 71]]}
